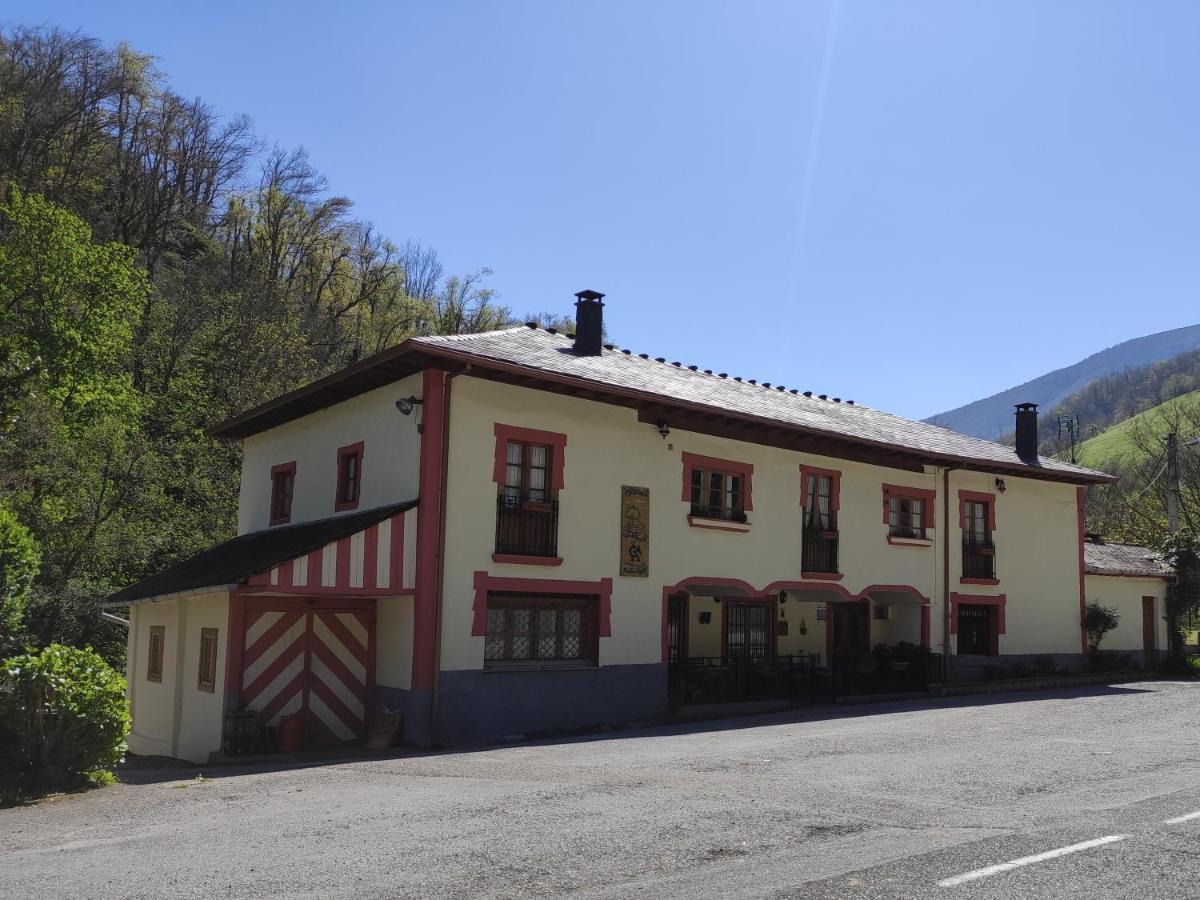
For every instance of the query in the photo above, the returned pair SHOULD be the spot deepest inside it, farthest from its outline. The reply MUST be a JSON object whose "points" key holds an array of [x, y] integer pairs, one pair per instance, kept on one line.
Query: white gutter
{"points": [[159, 598]]}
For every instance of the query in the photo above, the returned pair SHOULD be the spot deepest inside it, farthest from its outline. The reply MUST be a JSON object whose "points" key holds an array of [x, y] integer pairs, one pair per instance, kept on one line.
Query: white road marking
{"points": [[1028, 860], [1178, 819]]}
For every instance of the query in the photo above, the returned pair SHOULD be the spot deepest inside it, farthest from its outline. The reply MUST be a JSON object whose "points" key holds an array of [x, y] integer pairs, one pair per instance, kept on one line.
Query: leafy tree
{"points": [[1182, 553], [20, 561]]}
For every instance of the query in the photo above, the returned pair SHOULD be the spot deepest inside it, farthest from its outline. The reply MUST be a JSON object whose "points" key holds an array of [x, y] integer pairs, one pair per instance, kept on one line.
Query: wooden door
{"points": [[974, 629], [315, 661], [1149, 632], [849, 628], [677, 636]]}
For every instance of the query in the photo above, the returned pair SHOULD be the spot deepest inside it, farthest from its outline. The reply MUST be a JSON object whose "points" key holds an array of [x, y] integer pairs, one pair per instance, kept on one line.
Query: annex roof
{"points": [[1107, 558], [236, 561], [543, 358]]}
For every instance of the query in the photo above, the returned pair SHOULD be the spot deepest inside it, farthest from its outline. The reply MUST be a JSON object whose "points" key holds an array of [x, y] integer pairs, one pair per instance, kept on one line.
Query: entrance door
{"points": [[1149, 632], [748, 631], [310, 660], [849, 629], [974, 630]]}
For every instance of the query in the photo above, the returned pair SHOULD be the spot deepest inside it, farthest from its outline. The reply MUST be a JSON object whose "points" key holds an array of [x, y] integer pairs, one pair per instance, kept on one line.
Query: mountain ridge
{"points": [[991, 417]]}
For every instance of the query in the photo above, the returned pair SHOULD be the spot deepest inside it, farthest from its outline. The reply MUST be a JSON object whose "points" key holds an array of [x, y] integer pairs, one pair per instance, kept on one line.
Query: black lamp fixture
{"points": [[407, 404], [783, 596], [1000, 485], [663, 428]]}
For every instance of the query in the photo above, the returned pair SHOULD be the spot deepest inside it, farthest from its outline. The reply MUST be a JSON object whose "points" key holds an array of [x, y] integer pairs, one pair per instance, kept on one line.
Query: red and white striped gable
{"points": [[378, 561]]}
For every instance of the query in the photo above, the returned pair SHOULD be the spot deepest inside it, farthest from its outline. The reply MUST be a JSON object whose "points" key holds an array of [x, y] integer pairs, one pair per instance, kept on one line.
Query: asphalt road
{"points": [[883, 801]]}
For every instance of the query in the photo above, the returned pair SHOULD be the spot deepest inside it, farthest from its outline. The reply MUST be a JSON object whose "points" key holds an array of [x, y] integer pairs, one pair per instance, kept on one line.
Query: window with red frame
{"points": [[718, 495], [527, 630], [283, 483], [527, 472], [906, 516], [349, 482]]}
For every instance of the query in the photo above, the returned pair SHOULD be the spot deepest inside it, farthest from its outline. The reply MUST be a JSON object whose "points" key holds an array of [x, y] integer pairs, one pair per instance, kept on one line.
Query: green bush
{"points": [[19, 564], [63, 718]]}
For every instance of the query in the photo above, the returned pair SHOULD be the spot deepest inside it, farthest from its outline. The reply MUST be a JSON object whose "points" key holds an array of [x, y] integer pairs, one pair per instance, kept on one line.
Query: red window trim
{"points": [[486, 584], [343, 454], [526, 600], [996, 600], [745, 471], [910, 493], [289, 468], [553, 439], [978, 497], [835, 489]]}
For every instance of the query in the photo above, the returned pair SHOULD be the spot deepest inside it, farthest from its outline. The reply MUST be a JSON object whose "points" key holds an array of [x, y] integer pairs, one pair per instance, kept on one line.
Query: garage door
{"points": [[312, 660]]}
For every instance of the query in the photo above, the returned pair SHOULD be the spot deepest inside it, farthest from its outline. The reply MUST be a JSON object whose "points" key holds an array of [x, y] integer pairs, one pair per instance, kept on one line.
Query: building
{"points": [[1133, 581], [524, 531]]}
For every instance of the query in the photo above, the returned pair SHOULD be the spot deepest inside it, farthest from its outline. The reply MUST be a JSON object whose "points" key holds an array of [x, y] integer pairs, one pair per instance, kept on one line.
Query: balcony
{"points": [[526, 528], [819, 552], [979, 560]]}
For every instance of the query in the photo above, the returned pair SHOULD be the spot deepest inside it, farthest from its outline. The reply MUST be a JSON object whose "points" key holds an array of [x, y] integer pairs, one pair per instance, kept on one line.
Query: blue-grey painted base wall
{"points": [[485, 704], [416, 707]]}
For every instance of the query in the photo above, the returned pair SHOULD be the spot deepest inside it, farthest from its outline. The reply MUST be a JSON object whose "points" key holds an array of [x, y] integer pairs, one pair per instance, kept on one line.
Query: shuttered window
{"points": [[206, 680]]}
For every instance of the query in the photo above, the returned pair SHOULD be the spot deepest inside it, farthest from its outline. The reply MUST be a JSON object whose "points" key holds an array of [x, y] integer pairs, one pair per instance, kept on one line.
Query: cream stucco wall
{"points": [[1036, 536], [391, 448], [174, 717], [1125, 595], [394, 641]]}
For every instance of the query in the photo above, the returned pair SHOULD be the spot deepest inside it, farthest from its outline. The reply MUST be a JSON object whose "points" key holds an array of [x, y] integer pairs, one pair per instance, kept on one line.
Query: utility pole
{"points": [[1172, 483]]}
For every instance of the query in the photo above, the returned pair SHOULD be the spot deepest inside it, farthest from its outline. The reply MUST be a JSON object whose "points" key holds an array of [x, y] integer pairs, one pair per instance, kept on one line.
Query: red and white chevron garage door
{"points": [[314, 659]]}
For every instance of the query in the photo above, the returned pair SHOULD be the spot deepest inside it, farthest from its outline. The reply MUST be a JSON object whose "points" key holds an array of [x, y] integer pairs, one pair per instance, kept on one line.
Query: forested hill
{"points": [[992, 417], [161, 267]]}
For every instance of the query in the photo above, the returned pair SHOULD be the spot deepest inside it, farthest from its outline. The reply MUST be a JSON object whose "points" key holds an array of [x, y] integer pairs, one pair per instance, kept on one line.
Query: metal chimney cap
{"points": [[1027, 407], [590, 296]]}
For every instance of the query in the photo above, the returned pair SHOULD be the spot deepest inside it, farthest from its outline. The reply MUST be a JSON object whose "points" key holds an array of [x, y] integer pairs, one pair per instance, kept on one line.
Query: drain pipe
{"points": [[435, 690]]}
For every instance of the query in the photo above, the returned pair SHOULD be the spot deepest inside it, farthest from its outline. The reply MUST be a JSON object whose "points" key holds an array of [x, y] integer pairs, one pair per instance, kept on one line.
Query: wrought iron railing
{"points": [[979, 559], [525, 527], [819, 551]]}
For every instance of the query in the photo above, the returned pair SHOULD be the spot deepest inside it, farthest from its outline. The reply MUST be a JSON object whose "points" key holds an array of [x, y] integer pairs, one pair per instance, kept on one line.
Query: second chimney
{"points": [[589, 323], [1027, 431]]}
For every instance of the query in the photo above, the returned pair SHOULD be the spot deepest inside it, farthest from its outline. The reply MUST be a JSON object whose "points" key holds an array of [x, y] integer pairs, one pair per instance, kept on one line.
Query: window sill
{"points": [[909, 542], [979, 581], [275, 522], [718, 524], [517, 559], [342, 507], [822, 576], [500, 668]]}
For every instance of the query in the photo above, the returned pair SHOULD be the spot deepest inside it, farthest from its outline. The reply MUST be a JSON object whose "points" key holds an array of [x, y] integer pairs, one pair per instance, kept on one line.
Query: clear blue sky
{"points": [[912, 204]]}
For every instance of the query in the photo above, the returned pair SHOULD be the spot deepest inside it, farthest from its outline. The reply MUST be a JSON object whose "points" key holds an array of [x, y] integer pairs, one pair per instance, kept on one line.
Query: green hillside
{"points": [[1114, 448]]}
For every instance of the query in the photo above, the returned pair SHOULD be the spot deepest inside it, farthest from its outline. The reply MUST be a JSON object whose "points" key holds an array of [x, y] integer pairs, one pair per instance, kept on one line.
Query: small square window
{"points": [[157, 649], [207, 678]]}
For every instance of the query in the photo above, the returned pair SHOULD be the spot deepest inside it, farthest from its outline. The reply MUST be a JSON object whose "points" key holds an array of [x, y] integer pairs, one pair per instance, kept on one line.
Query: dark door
{"points": [[677, 629], [748, 631], [974, 630], [849, 628], [1148, 641]]}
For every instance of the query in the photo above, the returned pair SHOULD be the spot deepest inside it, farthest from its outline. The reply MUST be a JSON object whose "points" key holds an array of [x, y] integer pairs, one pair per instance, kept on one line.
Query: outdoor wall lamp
{"points": [[803, 626], [783, 596], [407, 404], [1000, 486], [663, 428]]}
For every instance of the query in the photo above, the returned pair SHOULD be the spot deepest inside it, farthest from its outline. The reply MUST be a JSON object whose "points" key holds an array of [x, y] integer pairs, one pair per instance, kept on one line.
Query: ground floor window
{"points": [[540, 630], [749, 630]]}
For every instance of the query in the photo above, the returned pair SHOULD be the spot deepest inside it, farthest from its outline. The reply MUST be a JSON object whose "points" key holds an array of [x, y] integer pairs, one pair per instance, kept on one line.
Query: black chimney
{"points": [[1027, 432], [589, 323]]}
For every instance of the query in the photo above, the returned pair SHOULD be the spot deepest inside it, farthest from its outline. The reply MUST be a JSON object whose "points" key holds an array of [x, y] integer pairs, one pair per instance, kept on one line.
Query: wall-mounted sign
{"points": [[635, 531]]}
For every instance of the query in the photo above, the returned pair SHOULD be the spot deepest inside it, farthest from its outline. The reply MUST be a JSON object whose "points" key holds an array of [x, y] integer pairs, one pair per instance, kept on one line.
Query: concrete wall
{"points": [[1125, 595], [174, 717], [1036, 533], [391, 447]]}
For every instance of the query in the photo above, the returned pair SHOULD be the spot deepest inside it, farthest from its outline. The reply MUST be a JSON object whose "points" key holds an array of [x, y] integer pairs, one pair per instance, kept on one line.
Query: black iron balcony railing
{"points": [[819, 551], [526, 527], [979, 559]]}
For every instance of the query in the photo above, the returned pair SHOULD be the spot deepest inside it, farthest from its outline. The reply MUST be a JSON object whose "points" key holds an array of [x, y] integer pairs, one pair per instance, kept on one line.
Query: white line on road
{"points": [[1028, 860], [1178, 819]]}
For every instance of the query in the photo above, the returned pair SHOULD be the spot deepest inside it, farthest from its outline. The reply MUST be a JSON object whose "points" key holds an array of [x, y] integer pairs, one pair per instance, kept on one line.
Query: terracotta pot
{"points": [[291, 733]]}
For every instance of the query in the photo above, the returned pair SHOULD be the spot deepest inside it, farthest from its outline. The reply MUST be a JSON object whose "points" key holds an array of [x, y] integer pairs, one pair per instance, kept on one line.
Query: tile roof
{"points": [[1122, 559], [548, 352], [233, 561]]}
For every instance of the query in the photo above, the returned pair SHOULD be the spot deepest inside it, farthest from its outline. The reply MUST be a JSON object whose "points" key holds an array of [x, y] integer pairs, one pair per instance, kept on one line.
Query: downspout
{"points": [[441, 557]]}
